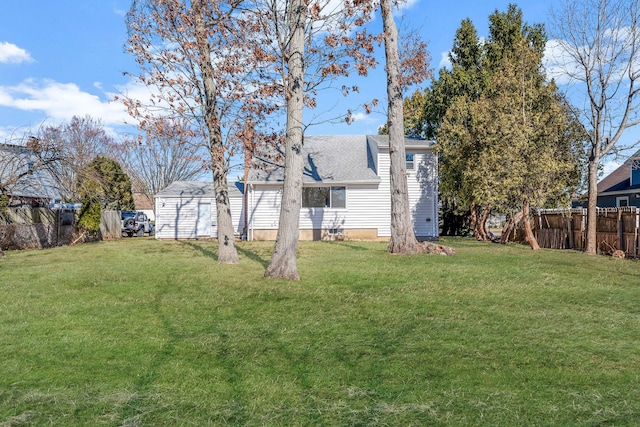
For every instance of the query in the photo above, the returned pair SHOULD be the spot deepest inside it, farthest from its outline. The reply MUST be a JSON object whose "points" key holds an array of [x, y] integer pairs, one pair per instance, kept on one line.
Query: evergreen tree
{"points": [[513, 147], [503, 138], [102, 184]]}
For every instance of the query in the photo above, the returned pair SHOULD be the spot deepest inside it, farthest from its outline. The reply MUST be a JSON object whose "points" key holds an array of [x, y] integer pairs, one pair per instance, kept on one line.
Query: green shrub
{"points": [[89, 217]]}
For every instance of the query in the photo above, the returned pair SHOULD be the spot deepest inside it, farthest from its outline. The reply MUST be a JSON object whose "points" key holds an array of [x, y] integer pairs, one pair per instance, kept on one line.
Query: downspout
{"points": [[251, 200]]}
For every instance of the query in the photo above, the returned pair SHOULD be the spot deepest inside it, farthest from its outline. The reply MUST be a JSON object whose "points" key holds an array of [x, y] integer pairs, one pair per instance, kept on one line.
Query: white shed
{"points": [[187, 210]]}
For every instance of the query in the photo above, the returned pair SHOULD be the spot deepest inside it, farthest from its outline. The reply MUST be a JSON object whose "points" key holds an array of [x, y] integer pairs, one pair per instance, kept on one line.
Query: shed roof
{"points": [[198, 189]]}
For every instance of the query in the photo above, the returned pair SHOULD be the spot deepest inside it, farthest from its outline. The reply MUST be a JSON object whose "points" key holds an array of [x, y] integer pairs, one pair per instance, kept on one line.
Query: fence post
{"points": [[569, 222], [621, 231], [635, 235]]}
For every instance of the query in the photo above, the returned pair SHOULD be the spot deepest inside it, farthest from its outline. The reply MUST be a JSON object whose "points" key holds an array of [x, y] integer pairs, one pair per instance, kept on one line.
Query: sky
{"points": [[67, 57]]}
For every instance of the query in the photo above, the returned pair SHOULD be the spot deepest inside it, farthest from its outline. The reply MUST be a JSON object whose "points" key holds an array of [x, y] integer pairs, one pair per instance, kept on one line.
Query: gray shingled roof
{"points": [[333, 159], [198, 189]]}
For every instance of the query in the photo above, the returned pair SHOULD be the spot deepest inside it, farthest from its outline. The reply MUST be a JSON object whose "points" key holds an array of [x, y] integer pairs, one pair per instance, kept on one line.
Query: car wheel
{"points": [[141, 232]]}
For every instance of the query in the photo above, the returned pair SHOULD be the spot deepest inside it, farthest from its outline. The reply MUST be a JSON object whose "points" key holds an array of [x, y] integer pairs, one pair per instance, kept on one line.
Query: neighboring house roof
{"points": [[331, 160], [142, 201], [198, 189], [15, 160], [620, 178]]}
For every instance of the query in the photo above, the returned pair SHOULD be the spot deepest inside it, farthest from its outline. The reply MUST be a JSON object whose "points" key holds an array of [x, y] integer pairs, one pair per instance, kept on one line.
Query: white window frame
{"points": [[622, 199], [410, 164]]}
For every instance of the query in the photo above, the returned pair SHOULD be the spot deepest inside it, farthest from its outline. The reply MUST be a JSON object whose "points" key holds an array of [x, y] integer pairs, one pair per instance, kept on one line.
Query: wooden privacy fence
{"points": [[110, 227], [617, 229]]}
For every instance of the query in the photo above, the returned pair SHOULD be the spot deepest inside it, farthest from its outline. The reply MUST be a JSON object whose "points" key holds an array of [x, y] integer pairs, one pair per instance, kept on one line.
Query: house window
{"points": [[410, 162], [30, 167], [622, 202], [324, 197]]}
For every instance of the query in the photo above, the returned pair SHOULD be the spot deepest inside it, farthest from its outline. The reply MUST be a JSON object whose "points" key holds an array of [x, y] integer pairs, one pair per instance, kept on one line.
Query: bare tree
{"points": [[283, 259], [403, 239], [312, 44], [78, 142], [202, 60], [600, 45], [26, 165], [160, 158]]}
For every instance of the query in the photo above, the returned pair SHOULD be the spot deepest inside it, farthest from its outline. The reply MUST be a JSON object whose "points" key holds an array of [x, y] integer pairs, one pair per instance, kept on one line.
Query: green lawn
{"points": [[139, 332]]}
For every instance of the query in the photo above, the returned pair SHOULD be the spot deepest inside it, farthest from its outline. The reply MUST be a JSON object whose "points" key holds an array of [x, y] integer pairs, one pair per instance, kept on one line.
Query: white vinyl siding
{"points": [[264, 207], [177, 218], [423, 195], [360, 209], [423, 192], [368, 206]]}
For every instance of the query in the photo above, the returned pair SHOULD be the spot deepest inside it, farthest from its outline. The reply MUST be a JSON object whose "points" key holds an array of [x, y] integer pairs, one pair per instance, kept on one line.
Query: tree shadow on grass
{"points": [[253, 256], [197, 247], [137, 406], [350, 246]]}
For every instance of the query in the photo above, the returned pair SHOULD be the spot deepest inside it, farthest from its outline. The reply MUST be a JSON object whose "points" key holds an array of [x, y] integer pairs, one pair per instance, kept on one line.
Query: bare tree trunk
{"points": [[510, 227], [528, 232], [478, 222], [482, 224], [473, 216], [249, 146], [283, 260], [227, 253], [601, 38], [403, 239], [592, 214]]}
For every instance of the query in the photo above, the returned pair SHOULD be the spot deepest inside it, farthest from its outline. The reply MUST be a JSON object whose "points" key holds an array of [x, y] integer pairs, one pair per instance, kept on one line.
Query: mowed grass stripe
{"points": [[146, 332]]}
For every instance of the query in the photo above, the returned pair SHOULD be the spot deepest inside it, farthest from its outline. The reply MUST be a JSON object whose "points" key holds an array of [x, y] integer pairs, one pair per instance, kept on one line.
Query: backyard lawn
{"points": [[139, 332]]}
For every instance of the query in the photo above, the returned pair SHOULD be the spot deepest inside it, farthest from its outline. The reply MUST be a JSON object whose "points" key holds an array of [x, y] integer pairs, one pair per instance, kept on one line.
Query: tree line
{"points": [[509, 139], [238, 76]]}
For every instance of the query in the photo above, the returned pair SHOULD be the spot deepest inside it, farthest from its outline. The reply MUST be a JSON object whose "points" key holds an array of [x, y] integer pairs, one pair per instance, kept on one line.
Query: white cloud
{"points": [[362, 117], [12, 54], [62, 101], [558, 64], [408, 4], [445, 62]]}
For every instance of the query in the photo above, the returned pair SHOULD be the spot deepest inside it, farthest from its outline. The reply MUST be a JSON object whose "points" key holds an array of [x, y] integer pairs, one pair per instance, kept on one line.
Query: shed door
{"points": [[203, 227]]}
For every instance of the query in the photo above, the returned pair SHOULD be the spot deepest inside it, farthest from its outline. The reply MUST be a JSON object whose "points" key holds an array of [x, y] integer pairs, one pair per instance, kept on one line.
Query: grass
{"points": [[139, 332]]}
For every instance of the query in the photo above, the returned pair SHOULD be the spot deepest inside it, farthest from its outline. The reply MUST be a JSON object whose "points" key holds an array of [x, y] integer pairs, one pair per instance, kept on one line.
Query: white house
{"points": [[345, 194]]}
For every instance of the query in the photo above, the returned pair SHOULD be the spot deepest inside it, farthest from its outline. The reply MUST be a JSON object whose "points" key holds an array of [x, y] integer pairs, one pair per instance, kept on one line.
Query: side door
{"points": [[203, 226]]}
